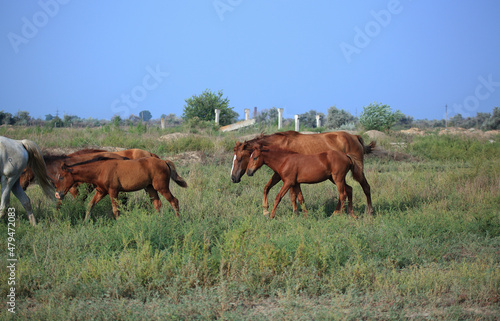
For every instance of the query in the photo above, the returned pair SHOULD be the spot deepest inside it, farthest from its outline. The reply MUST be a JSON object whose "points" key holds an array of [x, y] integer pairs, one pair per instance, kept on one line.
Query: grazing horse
{"points": [[111, 176], [54, 162], [295, 169], [15, 155], [307, 144]]}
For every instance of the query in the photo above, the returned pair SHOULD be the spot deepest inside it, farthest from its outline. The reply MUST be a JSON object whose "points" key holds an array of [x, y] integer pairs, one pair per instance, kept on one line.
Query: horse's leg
{"points": [[293, 198], [153, 196], [366, 189], [265, 201], [296, 193], [74, 190], [286, 186], [171, 199], [113, 194], [340, 182], [348, 190], [97, 197], [296, 189], [337, 208], [5, 197], [25, 201]]}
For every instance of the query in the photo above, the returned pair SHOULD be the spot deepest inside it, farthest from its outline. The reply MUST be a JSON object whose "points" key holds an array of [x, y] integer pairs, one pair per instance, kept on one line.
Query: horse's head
{"points": [[63, 182], [256, 160], [240, 161]]}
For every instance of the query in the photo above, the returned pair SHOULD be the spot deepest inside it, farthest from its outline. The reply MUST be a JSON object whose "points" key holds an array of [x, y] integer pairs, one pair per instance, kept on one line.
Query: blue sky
{"points": [[103, 58]]}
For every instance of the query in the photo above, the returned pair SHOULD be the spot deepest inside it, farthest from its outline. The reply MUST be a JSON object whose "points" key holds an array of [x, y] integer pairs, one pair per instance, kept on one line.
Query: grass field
{"points": [[431, 251]]}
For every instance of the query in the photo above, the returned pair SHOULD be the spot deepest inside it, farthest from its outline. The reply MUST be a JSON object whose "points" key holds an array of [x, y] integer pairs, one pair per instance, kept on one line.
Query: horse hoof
{"points": [[32, 220]]}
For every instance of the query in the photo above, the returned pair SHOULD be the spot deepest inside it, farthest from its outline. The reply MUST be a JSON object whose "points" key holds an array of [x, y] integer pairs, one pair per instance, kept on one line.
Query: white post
{"points": [[318, 121], [163, 121], [280, 118], [296, 123], [247, 114], [217, 113]]}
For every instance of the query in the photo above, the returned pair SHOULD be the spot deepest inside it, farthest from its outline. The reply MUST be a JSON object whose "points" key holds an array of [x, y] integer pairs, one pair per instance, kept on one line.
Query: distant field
{"points": [[431, 251]]}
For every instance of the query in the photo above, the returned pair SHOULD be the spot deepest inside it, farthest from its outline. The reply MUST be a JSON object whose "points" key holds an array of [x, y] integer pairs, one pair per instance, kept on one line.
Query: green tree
{"points": [[116, 120], [494, 121], [309, 119], [338, 117], [378, 117], [6, 118], [56, 122], [203, 106], [22, 118], [145, 115]]}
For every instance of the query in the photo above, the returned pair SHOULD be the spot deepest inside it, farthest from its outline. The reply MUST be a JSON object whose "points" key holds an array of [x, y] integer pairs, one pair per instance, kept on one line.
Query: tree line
{"points": [[201, 108]]}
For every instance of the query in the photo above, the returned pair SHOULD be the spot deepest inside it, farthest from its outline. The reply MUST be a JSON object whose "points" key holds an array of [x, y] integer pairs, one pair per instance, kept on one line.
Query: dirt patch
{"points": [[379, 152], [375, 134], [413, 131], [472, 132], [175, 136], [188, 158]]}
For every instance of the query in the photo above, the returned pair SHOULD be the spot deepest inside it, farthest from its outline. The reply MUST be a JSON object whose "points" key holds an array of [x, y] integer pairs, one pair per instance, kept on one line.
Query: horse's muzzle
{"points": [[250, 172], [59, 196], [235, 179]]}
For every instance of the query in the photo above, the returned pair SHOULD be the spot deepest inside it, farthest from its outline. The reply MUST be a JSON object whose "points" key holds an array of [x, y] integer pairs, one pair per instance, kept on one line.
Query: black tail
{"points": [[367, 149]]}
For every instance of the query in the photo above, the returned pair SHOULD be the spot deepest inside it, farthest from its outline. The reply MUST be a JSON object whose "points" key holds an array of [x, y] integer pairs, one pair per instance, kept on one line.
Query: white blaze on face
{"points": [[234, 161]]}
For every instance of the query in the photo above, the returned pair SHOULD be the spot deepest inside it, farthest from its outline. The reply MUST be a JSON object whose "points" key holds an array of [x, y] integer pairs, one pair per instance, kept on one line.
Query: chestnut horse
{"points": [[307, 144], [295, 169], [111, 176], [54, 162]]}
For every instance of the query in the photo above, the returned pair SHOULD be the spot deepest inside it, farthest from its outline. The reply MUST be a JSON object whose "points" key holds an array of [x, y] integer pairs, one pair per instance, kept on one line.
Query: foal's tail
{"points": [[356, 168], [37, 164], [174, 175]]}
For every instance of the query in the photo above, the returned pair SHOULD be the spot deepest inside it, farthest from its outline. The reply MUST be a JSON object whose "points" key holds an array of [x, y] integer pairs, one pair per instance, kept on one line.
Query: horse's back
{"points": [[13, 156], [321, 142]]}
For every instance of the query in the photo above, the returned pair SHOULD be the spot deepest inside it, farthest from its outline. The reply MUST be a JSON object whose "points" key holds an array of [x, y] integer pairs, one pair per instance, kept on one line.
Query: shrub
{"points": [[378, 117]]}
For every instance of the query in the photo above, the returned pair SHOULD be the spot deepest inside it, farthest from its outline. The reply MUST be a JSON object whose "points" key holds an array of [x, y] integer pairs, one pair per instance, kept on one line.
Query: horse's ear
{"points": [[65, 167], [238, 144]]}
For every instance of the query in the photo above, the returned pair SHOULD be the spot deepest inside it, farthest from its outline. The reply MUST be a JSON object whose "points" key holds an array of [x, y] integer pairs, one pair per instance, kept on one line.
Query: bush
{"points": [[203, 106], [338, 117], [378, 117]]}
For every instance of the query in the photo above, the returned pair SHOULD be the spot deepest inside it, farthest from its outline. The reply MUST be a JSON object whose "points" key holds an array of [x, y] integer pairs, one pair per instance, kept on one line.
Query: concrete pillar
{"points": [[217, 114], [318, 121], [247, 114], [297, 123], [280, 118]]}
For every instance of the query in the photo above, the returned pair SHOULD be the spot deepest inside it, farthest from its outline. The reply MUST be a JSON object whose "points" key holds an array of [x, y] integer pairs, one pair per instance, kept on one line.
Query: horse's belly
{"points": [[312, 178]]}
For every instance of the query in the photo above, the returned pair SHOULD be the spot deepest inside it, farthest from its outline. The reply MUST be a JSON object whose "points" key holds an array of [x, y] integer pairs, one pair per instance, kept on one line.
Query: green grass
{"points": [[431, 251]]}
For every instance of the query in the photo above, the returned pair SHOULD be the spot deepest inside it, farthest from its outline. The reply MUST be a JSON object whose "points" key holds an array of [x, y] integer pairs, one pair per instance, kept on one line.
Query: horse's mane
{"points": [[87, 151], [266, 140], [93, 160], [49, 158]]}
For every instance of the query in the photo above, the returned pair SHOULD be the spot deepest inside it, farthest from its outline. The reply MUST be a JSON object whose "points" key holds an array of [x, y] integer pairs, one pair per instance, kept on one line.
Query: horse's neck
{"points": [[275, 158], [86, 173]]}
